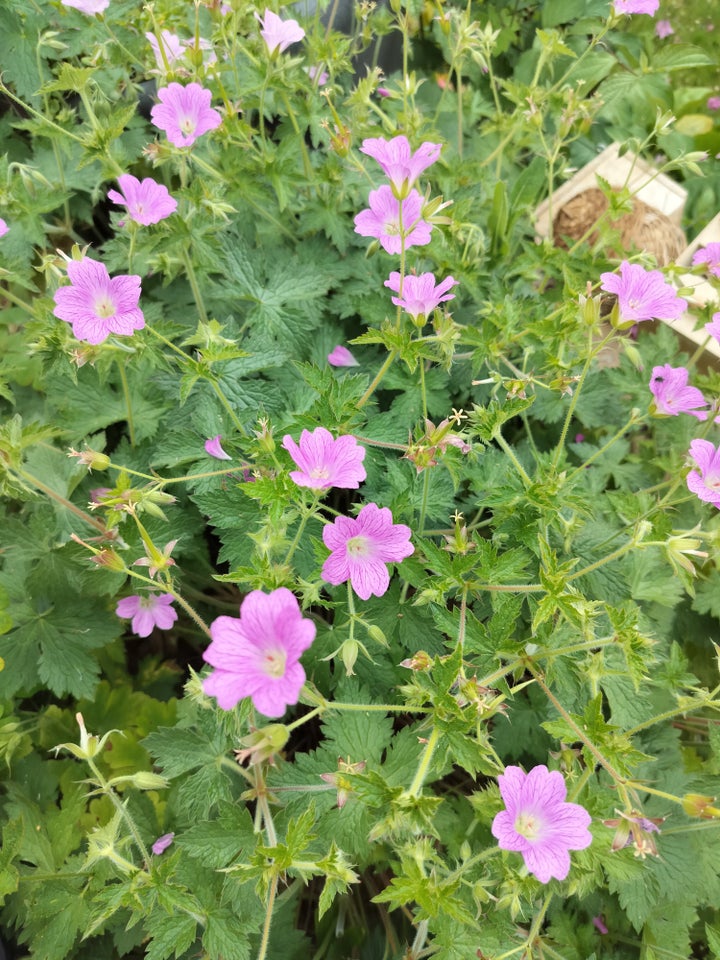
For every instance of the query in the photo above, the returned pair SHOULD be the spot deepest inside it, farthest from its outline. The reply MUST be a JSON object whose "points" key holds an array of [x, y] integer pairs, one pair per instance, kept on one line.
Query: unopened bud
{"points": [[700, 805]]}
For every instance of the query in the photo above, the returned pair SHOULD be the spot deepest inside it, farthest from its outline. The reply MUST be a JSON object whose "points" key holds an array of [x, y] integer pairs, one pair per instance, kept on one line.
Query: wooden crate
{"points": [[703, 294], [657, 190]]}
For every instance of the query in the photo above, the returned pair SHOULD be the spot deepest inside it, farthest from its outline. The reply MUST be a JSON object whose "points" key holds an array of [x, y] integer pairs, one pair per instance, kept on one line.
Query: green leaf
{"points": [[679, 56], [171, 935], [218, 842], [226, 936]]}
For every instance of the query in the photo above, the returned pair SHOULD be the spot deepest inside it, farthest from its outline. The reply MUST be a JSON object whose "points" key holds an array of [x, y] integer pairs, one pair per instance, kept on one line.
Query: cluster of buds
{"points": [[486, 700], [340, 779], [435, 441], [263, 744], [635, 830], [458, 541]]}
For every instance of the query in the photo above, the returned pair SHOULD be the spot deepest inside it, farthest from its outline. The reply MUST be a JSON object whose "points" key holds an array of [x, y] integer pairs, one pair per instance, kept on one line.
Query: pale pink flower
{"points": [[146, 200], [663, 29], [319, 76], [399, 164], [162, 843], [636, 6], [539, 823], [96, 305], [599, 925], [258, 655], [87, 6], [709, 255], [390, 222], [713, 328], [420, 295], [277, 33], [673, 396], [3, 227], [705, 481], [713, 103], [214, 448], [341, 357], [325, 462], [169, 44], [184, 113], [148, 612], [643, 294], [361, 549]]}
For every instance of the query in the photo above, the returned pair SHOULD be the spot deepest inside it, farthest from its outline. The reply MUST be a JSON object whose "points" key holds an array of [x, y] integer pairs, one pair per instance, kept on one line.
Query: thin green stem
{"points": [[634, 419], [424, 765], [169, 343], [226, 404], [307, 513], [192, 280], [39, 116], [376, 381], [7, 295], [48, 491], [374, 707], [304, 719], [120, 807], [502, 442], [262, 952], [573, 403], [128, 401]]}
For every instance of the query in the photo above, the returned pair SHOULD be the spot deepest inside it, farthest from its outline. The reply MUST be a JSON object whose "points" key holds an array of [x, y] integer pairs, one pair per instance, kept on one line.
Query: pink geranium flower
{"points": [[705, 481], [258, 654], [3, 227], [214, 448], [87, 6], [362, 548], [711, 256], [713, 328], [96, 305], [636, 6], [713, 103], [162, 843], [169, 44], [325, 462], [148, 612], [277, 33], [643, 294], [663, 29], [392, 223], [538, 822], [146, 200], [184, 113], [420, 295], [399, 164], [672, 394], [341, 357]]}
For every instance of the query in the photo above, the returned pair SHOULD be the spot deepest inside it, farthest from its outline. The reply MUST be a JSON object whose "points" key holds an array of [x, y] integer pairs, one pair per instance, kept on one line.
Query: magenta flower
{"points": [[3, 227], [713, 103], [162, 843], [148, 612], [705, 481], [636, 6], [663, 29], [325, 462], [362, 548], [420, 295], [341, 357], [96, 305], [277, 33], [711, 256], [214, 448], [169, 44], [184, 113], [599, 925], [390, 222], [318, 75], [87, 6], [713, 328], [643, 294], [672, 394], [258, 654], [538, 823], [399, 164], [147, 201]]}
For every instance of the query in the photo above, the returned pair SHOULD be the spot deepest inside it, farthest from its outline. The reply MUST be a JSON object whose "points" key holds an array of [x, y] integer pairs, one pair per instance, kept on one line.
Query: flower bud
{"points": [[699, 805]]}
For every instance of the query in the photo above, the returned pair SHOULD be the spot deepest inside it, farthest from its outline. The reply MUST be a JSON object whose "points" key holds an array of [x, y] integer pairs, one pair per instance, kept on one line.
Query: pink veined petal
{"points": [[165, 616], [511, 784], [143, 623], [705, 455], [544, 788], [503, 829], [127, 607], [274, 697], [335, 535], [227, 688], [697, 485], [336, 569], [368, 577], [547, 863]]}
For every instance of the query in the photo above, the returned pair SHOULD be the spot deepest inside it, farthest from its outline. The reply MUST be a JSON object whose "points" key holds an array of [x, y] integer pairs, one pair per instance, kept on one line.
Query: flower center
{"points": [[273, 663], [187, 125], [528, 825], [320, 473], [358, 546], [392, 228], [712, 481], [104, 307]]}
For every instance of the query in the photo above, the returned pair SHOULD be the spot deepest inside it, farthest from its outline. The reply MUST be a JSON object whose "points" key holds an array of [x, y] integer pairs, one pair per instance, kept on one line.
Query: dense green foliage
{"points": [[561, 606]]}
